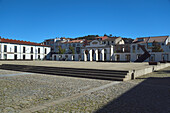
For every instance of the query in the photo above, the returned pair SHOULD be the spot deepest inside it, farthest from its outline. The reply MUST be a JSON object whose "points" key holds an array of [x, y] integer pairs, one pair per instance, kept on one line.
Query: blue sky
{"points": [[36, 20]]}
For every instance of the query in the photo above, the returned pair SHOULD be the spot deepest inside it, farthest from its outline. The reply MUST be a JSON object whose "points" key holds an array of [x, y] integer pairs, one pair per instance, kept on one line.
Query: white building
{"points": [[115, 49], [22, 50]]}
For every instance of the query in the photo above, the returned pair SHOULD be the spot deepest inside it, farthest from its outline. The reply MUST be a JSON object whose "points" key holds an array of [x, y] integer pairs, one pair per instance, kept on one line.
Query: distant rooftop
{"points": [[150, 39], [12, 41]]}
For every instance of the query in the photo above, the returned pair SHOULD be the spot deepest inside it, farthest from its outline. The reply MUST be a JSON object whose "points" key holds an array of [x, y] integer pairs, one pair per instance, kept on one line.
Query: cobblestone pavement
{"points": [[147, 94]]}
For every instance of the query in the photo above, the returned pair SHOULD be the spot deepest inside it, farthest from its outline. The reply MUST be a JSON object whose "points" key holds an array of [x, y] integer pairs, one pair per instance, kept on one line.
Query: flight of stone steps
{"points": [[71, 72]]}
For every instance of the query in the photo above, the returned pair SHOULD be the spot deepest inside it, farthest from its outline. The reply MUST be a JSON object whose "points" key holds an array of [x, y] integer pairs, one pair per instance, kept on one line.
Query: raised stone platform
{"points": [[96, 70]]}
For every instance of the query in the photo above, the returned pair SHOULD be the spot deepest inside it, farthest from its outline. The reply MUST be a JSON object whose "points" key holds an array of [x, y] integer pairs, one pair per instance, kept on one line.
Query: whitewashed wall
{"points": [[10, 51]]}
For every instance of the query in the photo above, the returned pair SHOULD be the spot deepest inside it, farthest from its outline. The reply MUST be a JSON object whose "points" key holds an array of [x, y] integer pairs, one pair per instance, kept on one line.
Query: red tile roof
{"points": [[111, 38], [145, 39], [104, 37], [151, 39], [20, 42], [158, 39]]}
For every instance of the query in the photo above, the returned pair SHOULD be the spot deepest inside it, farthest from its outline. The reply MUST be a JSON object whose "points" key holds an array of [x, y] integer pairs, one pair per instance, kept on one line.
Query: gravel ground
{"points": [[135, 96], [25, 91], [6, 72], [147, 94]]}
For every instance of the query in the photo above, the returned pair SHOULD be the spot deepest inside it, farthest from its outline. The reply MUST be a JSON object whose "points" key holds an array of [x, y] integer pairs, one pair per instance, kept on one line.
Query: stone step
{"points": [[68, 73], [72, 73], [65, 69]]}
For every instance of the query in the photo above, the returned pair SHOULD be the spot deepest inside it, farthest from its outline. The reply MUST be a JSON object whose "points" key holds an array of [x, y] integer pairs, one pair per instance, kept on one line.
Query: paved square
{"points": [[30, 92]]}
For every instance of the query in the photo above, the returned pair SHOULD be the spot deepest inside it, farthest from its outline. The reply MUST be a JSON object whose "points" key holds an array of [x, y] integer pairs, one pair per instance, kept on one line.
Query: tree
{"points": [[72, 49], [61, 51], [157, 47]]}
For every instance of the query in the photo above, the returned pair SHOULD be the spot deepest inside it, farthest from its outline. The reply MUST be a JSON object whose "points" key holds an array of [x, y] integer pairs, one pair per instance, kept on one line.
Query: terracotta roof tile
{"points": [[145, 39], [20, 42], [104, 37], [158, 39], [111, 38], [151, 39]]}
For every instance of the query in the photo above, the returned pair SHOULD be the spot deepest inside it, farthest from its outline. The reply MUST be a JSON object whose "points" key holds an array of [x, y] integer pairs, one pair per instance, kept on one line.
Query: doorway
{"points": [[15, 57], [31, 57]]}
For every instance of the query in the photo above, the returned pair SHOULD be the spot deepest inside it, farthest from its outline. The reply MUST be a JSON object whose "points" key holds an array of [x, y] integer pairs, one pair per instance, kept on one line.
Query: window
{"points": [[117, 57], [127, 57], [152, 57], [15, 49], [5, 48], [23, 49], [149, 44], [74, 45], [108, 43], [39, 57], [133, 48], [31, 49], [164, 57], [45, 51], [5, 56], [138, 47], [38, 50]]}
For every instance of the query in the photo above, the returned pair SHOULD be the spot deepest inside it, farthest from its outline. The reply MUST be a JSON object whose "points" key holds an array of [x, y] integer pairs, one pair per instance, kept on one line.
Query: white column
{"points": [[102, 54], [111, 53], [84, 55], [90, 55], [96, 54]]}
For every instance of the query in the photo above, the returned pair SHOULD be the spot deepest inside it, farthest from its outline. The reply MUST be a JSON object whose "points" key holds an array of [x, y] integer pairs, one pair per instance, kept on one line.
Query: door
{"points": [[23, 57], [31, 57], [15, 57]]}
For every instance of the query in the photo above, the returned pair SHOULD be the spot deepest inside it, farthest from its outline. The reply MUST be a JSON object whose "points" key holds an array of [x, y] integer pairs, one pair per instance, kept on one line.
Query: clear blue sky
{"points": [[36, 20]]}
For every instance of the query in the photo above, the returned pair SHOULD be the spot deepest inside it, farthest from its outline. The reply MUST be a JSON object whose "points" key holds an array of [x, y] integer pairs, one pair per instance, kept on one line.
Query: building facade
{"points": [[116, 49], [22, 50]]}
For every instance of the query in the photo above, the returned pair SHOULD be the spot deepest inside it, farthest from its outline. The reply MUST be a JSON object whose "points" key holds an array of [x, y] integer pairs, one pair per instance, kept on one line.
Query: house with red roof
{"points": [[11, 49]]}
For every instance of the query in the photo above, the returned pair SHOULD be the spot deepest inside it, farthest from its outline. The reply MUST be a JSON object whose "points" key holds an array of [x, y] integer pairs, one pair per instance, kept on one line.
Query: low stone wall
{"points": [[149, 69]]}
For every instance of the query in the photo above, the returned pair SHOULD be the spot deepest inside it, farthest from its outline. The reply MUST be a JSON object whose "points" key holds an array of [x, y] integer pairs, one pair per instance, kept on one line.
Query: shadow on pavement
{"points": [[150, 96]]}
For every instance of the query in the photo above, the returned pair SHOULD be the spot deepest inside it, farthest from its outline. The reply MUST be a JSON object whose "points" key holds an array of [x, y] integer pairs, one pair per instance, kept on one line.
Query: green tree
{"points": [[72, 49], [61, 51], [157, 47]]}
